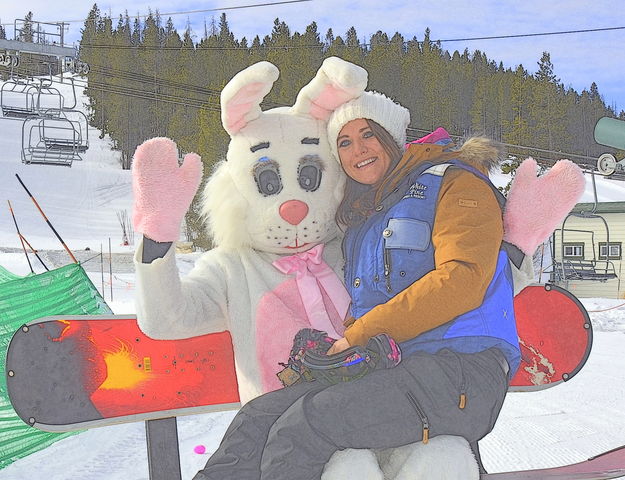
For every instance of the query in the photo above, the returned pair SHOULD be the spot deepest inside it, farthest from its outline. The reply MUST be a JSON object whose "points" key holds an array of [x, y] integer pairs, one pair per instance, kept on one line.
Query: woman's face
{"points": [[361, 154]]}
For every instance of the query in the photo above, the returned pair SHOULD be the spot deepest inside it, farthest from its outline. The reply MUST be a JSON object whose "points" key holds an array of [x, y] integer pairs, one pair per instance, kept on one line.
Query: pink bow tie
{"points": [[311, 272]]}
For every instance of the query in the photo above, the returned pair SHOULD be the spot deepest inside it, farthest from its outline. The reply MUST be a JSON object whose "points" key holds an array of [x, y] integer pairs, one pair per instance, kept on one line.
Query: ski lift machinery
{"points": [[609, 132]]}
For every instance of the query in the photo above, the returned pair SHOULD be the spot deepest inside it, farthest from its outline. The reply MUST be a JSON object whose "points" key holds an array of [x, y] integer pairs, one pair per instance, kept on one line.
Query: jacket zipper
{"points": [[387, 269], [422, 416]]}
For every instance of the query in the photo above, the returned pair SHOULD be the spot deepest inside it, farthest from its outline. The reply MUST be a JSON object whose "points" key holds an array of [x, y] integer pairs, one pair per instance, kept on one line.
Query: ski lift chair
{"points": [[581, 269], [49, 98], [66, 130], [50, 140], [17, 98]]}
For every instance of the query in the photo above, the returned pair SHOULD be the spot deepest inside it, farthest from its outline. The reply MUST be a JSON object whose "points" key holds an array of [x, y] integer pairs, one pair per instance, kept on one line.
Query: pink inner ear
{"points": [[241, 104], [327, 101]]}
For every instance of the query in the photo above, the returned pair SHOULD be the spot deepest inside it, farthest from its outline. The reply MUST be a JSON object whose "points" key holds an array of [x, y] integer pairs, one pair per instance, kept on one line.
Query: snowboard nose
{"points": [[293, 211]]}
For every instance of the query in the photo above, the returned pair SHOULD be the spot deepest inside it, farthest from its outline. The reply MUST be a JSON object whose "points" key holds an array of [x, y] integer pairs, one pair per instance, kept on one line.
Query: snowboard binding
{"points": [[308, 359]]}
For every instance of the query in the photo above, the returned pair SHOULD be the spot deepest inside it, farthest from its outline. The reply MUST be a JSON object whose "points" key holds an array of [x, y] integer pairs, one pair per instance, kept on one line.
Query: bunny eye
{"points": [[267, 178], [309, 173]]}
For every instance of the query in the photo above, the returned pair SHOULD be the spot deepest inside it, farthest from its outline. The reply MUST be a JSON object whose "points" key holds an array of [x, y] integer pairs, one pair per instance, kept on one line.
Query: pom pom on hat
{"points": [[374, 106]]}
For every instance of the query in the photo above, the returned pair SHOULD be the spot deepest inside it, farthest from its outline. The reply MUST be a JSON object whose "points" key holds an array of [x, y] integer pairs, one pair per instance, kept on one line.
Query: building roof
{"points": [[602, 207]]}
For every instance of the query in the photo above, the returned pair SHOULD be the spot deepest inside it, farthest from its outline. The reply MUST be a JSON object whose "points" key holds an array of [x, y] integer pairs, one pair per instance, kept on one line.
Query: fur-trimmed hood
{"points": [[482, 153]]}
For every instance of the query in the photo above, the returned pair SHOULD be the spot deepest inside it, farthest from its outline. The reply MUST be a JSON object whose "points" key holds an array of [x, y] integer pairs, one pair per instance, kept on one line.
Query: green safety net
{"points": [[63, 291]]}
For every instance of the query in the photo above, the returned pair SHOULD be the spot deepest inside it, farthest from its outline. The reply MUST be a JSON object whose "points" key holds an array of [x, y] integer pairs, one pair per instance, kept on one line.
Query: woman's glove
{"points": [[162, 190]]}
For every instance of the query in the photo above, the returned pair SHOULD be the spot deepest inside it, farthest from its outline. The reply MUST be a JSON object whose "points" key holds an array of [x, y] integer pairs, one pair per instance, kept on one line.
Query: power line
{"points": [[190, 12], [521, 35], [321, 45]]}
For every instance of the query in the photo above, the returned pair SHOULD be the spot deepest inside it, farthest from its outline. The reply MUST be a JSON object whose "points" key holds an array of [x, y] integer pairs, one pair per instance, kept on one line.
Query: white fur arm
{"points": [[169, 307]]}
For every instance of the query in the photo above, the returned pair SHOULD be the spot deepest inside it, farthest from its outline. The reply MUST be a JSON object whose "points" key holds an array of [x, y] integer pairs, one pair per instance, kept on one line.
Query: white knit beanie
{"points": [[374, 106]]}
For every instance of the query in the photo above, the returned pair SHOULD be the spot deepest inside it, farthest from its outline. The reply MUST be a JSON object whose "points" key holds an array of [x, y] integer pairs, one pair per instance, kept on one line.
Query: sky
{"points": [[579, 59]]}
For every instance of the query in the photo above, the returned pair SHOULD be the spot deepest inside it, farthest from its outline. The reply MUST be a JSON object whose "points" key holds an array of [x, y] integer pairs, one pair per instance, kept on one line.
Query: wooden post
{"points": [[163, 450]]}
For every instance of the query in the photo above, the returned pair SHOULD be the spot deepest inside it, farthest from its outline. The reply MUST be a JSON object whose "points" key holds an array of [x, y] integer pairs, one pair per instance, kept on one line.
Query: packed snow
{"points": [[565, 424]]}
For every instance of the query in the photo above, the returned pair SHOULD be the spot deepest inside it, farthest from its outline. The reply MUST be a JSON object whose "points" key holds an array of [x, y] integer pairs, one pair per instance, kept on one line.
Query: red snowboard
{"points": [[66, 373]]}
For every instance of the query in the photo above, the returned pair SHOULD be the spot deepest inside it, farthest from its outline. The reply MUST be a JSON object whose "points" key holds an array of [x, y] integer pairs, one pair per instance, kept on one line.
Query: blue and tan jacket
{"points": [[427, 266]]}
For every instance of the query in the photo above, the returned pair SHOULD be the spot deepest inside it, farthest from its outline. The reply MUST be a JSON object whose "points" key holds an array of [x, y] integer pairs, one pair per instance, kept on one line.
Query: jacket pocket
{"points": [[402, 234], [407, 233]]}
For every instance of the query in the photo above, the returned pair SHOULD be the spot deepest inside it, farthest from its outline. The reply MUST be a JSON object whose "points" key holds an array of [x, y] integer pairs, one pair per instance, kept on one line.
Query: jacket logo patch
{"points": [[416, 190], [467, 203]]}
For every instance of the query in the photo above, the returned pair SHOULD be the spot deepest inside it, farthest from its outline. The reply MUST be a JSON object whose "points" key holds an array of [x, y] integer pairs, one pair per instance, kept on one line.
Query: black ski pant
{"points": [[293, 432]]}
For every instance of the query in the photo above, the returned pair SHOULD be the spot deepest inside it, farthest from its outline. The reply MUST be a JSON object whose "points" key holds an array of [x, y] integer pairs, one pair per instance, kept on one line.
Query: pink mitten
{"points": [[162, 190], [537, 205]]}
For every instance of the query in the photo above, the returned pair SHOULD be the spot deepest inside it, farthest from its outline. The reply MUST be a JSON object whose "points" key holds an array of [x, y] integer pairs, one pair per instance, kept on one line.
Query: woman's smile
{"points": [[361, 154]]}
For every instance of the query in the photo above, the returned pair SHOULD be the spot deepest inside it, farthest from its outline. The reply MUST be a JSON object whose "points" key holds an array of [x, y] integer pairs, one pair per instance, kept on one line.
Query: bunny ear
{"points": [[241, 97], [335, 83]]}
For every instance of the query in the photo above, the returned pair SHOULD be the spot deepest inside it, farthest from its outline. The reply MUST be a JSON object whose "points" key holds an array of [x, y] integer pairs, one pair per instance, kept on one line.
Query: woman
{"points": [[423, 264]]}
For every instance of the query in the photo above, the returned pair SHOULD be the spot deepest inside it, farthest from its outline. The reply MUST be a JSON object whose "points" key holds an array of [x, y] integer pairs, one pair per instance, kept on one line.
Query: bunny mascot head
{"points": [[279, 188]]}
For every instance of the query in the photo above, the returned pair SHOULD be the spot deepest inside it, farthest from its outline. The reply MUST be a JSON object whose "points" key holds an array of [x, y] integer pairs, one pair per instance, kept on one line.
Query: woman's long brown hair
{"points": [[360, 199]]}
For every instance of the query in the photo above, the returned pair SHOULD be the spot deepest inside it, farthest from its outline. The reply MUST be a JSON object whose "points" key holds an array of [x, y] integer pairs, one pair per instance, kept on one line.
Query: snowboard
{"points": [[73, 372], [606, 465]]}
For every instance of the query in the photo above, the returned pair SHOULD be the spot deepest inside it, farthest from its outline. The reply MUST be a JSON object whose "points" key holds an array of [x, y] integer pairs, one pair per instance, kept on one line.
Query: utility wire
{"points": [[522, 35], [361, 45], [170, 14]]}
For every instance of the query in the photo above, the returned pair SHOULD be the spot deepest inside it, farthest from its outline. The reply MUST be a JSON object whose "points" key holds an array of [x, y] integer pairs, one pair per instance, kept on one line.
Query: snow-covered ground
{"points": [[561, 425]]}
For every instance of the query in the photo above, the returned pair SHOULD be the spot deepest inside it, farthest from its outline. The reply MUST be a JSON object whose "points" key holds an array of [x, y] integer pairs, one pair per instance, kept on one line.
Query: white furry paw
{"points": [[444, 457], [352, 464]]}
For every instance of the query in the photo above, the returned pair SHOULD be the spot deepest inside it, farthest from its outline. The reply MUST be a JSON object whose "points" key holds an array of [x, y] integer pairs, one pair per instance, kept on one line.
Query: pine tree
{"points": [[548, 111], [26, 33], [516, 126]]}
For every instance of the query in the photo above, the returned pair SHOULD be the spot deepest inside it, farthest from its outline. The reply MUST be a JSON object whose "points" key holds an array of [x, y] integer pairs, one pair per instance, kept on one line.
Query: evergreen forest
{"points": [[146, 79]]}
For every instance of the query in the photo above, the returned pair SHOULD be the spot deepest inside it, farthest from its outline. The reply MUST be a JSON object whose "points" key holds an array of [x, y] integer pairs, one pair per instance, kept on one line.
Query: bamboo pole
{"points": [[21, 238], [46, 219], [35, 252]]}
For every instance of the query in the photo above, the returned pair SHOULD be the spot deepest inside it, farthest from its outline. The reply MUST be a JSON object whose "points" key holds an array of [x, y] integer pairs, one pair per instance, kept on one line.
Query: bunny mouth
{"points": [[298, 245]]}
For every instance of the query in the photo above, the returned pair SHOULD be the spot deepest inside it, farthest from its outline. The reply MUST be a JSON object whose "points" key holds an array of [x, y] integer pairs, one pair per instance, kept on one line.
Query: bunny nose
{"points": [[293, 211]]}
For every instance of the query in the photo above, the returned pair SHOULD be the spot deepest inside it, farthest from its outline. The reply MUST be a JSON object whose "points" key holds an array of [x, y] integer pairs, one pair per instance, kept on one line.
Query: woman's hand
{"points": [[338, 346]]}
